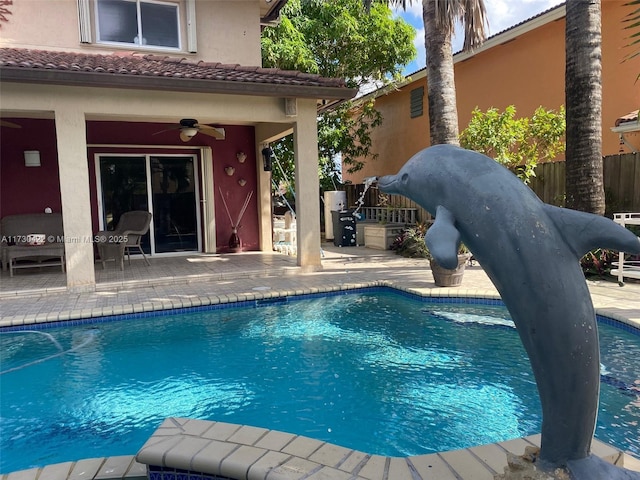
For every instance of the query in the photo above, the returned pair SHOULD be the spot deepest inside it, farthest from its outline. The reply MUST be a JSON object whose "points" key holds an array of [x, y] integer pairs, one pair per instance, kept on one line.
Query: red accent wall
{"points": [[28, 189], [31, 189], [224, 155]]}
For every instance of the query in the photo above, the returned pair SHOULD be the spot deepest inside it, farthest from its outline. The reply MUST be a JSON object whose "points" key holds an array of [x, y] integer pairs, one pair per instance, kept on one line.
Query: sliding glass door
{"points": [[164, 185], [173, 188]]}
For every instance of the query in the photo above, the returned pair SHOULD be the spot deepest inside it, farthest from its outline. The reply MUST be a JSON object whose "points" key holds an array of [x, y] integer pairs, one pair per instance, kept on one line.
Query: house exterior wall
{"points": [[228, 31], [527, 72], [84, 120]]}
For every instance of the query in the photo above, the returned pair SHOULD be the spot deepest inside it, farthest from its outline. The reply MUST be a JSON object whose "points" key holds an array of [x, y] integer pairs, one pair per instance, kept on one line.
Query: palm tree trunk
{"points": [[583, 97], [441, 89]]}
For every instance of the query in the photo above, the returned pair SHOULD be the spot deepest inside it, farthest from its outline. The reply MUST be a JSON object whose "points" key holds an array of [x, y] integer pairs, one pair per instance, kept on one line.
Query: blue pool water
{"points": [[376, 371]]}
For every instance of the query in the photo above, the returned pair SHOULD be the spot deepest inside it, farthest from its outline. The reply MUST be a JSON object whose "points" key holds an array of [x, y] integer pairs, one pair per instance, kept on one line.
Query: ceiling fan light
{"points": [[190, 132]]}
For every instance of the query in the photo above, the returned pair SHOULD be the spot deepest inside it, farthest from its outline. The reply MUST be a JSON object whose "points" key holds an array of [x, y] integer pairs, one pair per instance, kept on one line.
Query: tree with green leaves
{"points": [[338, 39], [440, 19], [517, 143]]}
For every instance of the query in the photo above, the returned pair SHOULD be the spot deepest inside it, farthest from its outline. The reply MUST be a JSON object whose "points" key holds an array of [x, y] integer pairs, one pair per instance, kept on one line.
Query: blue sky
{"points": [[502, 14]]}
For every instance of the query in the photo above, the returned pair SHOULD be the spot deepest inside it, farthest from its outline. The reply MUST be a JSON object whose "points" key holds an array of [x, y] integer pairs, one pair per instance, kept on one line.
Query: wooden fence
{"points": [[621, 184], [374, 198]]}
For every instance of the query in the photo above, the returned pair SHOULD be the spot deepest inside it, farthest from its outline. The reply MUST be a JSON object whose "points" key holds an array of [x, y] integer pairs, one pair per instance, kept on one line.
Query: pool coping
{"points": [[179, 305], [189, 449], [452, 463]]}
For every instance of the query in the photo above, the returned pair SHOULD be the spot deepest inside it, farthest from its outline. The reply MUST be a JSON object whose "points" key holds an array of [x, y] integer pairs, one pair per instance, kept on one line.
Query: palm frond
{"points": [[632, 22], [471, 14]]}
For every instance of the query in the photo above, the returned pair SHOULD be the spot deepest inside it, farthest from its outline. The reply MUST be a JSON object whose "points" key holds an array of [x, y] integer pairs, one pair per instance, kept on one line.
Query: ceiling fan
{"points": [[6, 123], [189, 127]]}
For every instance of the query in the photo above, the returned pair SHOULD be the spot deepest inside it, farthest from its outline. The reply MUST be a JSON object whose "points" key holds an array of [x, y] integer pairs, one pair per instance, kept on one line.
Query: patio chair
{"points": [[128, 234]]}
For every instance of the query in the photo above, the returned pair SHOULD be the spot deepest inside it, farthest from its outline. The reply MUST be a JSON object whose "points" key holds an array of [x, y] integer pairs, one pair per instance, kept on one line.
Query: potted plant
{"points": [[444, 277], [410, 243]]}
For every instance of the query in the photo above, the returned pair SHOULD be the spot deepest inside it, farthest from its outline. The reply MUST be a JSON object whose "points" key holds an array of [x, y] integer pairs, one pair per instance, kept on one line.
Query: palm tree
{"points": [[583, 98], [440, 17]]}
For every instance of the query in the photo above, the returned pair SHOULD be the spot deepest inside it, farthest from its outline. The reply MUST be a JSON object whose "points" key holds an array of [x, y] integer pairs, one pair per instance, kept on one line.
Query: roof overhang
{"points": [[627, 123], [102, 80], [270, 11], [627, 127]]}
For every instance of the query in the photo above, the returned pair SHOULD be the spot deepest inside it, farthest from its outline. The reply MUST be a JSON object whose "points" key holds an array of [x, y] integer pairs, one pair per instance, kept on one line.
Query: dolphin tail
{"points": [[586, 231], [595, 468]]}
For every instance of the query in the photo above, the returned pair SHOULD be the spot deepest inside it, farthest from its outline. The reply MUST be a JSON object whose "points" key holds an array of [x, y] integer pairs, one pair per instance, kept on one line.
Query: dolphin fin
{"points": [[443, 239], [586, 231]]}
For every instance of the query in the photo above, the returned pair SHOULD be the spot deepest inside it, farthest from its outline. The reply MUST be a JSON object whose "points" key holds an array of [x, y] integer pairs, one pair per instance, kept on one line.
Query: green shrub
{"points": [[410, 243]]}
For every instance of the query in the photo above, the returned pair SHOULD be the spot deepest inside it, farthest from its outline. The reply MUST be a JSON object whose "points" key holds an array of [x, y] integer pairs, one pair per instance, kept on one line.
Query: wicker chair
{"points": [[128, 234]]}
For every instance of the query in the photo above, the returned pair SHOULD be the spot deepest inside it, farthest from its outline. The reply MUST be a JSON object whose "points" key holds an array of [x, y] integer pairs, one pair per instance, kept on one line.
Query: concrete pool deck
{"points": [[179, 282]]}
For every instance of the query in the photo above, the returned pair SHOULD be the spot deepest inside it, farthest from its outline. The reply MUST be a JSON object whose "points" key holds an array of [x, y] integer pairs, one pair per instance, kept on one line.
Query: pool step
{"points": [[188, 449]]}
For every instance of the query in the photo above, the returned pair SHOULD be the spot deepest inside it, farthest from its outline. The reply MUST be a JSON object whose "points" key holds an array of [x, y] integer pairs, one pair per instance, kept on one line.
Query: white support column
{"points": [[208, 201], [76, 205], [305, 141]]}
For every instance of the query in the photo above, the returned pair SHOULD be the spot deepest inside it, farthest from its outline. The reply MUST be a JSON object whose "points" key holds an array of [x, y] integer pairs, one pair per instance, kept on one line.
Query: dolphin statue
{"points": [[530, 250]]}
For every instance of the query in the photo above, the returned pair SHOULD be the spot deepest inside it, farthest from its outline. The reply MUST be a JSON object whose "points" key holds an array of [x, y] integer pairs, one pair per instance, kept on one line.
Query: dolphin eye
{"points": [[405, 178]]}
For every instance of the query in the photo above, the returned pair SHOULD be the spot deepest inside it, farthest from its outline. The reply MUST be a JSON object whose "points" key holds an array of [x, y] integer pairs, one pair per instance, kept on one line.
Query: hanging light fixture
{"points": [[267, 153], [189, 132]]}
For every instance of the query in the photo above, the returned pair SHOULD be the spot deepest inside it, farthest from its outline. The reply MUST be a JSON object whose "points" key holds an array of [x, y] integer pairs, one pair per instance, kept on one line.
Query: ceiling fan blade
{"points": [[215, 132], [6, 123], [175, 127]]}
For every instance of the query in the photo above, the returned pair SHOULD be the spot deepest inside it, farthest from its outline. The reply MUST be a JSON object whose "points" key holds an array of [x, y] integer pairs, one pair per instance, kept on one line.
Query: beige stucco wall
{"points": [[228, 31], [527, 72]]}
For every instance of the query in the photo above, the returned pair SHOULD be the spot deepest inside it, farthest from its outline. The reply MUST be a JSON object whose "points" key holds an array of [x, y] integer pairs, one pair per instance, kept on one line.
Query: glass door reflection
{"points": [[173, 188], [166, 186], [124, 188]]}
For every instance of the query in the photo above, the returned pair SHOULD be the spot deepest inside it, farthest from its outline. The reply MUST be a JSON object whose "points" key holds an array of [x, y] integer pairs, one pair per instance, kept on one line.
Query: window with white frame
{"points": [[147, 23]]}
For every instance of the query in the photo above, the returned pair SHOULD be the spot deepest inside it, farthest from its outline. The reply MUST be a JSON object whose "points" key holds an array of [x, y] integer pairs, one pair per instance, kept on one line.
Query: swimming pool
{"points": [[377, 371]]}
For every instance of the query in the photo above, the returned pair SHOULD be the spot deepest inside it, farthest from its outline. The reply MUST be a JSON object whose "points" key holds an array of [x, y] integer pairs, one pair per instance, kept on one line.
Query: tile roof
{"points": [[628, 118], [45, 66]]}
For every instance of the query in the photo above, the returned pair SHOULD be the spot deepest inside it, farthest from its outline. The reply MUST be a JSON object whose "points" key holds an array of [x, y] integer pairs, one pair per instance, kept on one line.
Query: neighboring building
{"points": [[523, 66], [98, 88]]}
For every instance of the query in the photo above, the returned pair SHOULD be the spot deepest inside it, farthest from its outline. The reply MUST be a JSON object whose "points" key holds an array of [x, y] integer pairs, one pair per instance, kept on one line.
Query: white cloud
{"points": [[418, 41], [414, 9], [503, 14]]}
